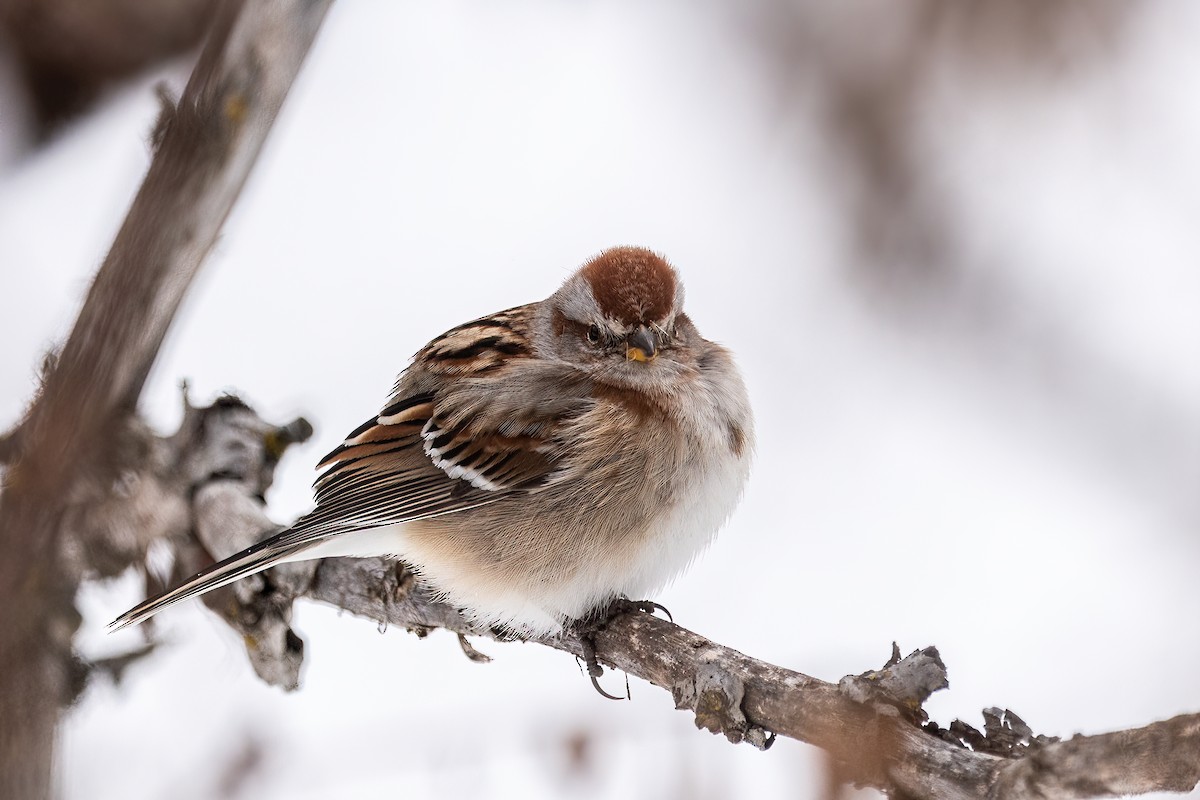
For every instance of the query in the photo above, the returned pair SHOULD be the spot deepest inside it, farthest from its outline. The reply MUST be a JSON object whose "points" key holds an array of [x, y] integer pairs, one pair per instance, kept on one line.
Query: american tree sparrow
{"points": [[535, 464]]}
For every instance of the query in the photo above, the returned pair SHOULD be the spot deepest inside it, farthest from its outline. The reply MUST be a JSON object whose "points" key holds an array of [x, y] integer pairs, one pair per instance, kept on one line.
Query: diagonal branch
{"points": [[875, 743], [205, 150], [872, 725], [207, 145]]}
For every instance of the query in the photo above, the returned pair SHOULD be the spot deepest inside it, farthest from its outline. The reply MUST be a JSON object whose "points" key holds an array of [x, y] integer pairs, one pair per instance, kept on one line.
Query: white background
{"points": [[437, 162]]}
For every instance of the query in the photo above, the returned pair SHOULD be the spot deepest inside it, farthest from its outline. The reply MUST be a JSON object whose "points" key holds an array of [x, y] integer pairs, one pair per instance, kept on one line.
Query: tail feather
{"points": [[250, 561]]}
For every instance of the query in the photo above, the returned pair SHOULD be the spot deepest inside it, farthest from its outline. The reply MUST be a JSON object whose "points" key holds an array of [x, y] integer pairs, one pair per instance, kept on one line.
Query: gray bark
{"points": [[70, 443], [871, 724], [874, 736]]}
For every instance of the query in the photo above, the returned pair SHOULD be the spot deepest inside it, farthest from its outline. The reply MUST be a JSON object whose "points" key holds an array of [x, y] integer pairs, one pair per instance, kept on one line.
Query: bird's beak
{"points": [[640, 345]]}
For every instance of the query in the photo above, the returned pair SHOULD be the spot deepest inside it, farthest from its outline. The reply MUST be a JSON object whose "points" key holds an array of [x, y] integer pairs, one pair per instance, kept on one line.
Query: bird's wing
{"points": [[473, 420], [488, 431]]}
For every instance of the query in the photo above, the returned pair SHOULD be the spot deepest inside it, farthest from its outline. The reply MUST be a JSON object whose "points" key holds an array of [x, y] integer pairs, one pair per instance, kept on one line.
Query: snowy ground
{"points": [[437, 162]]}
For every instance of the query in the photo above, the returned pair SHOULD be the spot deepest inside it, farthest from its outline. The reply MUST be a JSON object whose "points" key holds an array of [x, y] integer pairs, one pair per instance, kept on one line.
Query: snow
{"points": [[437, 162]]}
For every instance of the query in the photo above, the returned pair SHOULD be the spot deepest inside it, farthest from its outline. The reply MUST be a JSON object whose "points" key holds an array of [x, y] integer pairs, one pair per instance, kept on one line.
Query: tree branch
{"points": [[201, 491], [876, 742], [72, 433], [872, 724]]}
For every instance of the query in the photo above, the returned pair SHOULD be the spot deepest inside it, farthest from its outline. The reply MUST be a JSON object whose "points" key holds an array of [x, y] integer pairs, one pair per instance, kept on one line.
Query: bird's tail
{"points": [[281, 547]]}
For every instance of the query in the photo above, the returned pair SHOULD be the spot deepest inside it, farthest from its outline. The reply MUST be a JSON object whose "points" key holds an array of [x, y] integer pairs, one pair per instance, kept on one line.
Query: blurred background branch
{"points": [[893, 93], [80, 439], [67, 53]]}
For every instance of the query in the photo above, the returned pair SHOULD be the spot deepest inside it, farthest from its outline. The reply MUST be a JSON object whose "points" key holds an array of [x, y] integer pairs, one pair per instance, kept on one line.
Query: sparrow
{"points": [[536, 464]]}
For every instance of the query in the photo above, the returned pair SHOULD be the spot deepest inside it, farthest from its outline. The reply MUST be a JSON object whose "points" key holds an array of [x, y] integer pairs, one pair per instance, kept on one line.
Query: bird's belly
{"points": [[534, 561], [682, 530]]}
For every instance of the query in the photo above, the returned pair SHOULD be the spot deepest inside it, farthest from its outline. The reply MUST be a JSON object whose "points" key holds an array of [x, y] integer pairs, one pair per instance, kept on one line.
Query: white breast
{"points": [[709, 482], [683, 530]]}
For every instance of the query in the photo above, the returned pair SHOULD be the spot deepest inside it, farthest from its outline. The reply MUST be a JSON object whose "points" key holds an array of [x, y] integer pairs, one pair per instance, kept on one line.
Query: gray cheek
{"points": [[564, 346], [572, 349]]}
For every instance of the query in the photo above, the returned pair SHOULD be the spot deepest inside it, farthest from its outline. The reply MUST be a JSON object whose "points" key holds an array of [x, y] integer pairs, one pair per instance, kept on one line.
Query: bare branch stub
{"points": [[901, 685]]}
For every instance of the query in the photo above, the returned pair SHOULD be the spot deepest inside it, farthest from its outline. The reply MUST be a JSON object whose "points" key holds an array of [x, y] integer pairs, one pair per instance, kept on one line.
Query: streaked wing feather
{"points": [[411, 461], [374, 478], [398, 485], [491, 461], [406, 464], [240, 565]]}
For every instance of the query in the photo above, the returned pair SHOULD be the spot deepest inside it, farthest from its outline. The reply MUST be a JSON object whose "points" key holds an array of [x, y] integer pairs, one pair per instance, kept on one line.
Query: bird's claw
{"points": [[584, 629], [623, 605], [594, 670]]}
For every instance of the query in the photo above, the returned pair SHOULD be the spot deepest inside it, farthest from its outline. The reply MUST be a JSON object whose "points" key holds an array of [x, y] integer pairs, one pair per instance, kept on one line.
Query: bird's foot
{"points": [[584, 631], [594, 670], [623, 605]]}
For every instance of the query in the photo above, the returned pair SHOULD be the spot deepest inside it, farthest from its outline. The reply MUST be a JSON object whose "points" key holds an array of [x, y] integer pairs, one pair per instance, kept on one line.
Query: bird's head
{"points": [[620, 319]]}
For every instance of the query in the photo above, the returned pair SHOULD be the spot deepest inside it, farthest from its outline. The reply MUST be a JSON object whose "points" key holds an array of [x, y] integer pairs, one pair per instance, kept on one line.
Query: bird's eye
{"points": [[594, 334]]}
